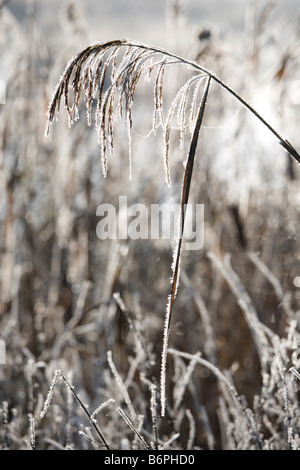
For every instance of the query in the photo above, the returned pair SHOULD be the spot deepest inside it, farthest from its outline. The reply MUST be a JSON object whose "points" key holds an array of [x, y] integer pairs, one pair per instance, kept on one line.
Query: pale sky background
{"points": [[145, 20]]}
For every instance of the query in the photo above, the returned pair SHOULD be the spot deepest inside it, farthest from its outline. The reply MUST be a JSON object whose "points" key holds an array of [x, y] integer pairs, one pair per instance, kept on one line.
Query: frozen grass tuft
{"points": [[94, 360]]}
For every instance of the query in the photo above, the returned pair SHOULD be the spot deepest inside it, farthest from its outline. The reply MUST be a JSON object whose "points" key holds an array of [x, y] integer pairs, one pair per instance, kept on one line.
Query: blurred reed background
{"points": [[68, 298]]}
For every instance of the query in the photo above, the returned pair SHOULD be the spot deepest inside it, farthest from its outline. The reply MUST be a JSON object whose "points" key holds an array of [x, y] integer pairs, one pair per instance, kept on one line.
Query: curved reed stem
{"points": [[87, 74], [99, 48]]}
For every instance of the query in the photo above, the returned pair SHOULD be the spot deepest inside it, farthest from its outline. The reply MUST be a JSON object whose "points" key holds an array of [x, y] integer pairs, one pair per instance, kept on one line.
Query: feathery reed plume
{"points": [[87, 73], [107, 75]]}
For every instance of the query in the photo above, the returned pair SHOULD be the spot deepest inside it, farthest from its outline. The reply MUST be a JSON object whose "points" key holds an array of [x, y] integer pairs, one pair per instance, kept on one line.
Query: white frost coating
{"points": [[170, 441], [50, 394], [121, 386], [131, 426], [101, 407], [164, 354]]}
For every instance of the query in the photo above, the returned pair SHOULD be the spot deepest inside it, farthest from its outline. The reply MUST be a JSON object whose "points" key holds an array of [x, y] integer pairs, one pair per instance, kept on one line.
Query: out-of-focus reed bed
{"points": [[82, 318]]}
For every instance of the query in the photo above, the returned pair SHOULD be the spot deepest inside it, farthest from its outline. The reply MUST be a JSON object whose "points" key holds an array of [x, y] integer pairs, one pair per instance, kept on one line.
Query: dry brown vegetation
{"points": [[83, 318]]}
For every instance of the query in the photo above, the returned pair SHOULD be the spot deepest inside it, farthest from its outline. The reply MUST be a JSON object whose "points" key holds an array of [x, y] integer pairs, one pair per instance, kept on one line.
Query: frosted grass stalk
{"points": [[132, 426], [121, 386]]}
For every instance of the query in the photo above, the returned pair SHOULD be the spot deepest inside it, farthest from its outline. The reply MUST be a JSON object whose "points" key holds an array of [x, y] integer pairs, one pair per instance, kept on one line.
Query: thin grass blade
{"points": [[177, 253]]}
